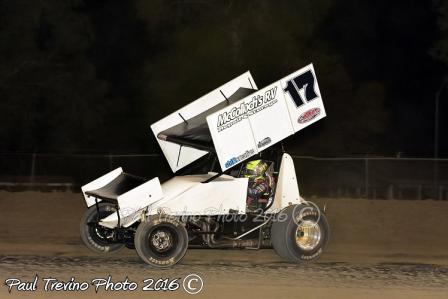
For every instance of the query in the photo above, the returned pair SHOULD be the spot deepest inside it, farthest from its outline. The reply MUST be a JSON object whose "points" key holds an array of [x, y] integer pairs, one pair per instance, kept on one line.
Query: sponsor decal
{"points": [[308, 115], [236, 160], [257, 103], [264, 142]]}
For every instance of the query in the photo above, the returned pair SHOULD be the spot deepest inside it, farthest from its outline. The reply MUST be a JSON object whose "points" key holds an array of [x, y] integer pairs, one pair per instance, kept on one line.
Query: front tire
{"points": [[161, 241], [96, 237], [300, 233]]}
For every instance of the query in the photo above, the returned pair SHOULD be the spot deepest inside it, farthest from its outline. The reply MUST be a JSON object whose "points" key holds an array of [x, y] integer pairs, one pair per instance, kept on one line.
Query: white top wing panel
{"points": [[266, 117]]}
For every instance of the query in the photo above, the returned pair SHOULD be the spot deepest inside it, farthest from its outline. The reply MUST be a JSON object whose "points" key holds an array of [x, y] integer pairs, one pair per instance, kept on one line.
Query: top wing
{"points": [[184, 135], [266, 117], [194, 132]]}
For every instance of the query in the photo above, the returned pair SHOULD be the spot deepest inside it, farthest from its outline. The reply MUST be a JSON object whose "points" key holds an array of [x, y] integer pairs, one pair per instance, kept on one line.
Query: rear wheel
{"points": [[161, 241], [300, 233], [96, 237]]}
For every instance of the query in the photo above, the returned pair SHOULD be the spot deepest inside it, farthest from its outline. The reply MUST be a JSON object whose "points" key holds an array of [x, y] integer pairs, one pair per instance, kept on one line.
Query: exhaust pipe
{"points": [[233, 243], [226, 243]]}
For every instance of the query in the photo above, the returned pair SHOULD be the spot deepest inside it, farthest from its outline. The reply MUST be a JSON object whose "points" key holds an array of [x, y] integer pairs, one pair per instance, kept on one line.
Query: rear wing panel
{"points": [[266, 117], [303, 98]]}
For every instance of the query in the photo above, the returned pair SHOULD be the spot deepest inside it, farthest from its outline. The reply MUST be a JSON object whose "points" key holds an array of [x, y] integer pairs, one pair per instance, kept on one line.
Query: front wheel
{"points": [[96, 237], [161, 241], [300, 233]]}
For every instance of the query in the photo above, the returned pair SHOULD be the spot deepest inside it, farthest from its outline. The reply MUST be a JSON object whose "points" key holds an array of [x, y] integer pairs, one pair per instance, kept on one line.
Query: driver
{"points": [[259, 181]]}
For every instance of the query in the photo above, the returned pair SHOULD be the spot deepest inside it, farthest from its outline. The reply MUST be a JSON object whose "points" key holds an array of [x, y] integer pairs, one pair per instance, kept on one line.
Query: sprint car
{"points": [[206, 144]]}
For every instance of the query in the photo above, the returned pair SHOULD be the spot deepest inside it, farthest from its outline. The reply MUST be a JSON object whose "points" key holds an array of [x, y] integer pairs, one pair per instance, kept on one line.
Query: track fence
{"points": [[365, 177]]}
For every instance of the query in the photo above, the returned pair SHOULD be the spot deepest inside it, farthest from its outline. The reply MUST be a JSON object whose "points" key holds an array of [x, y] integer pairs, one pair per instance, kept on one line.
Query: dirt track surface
{"points": [[378, 249], [233, 274]]}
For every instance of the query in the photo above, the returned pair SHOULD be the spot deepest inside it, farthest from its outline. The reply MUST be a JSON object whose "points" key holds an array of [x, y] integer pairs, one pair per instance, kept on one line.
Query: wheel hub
{"points": [[103, 233], [308, 235], [161, 240]]}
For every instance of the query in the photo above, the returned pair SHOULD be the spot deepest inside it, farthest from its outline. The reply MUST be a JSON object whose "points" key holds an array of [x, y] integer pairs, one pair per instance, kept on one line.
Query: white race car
{"points": [[209, 145]]}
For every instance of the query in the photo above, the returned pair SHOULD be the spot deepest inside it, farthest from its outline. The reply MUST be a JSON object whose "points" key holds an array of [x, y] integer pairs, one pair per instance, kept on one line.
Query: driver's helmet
{"points": [[255, 169]]}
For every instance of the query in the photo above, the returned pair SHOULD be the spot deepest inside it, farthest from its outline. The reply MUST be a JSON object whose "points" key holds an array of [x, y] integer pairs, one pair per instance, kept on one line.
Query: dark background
{"points": [[91, 76]]}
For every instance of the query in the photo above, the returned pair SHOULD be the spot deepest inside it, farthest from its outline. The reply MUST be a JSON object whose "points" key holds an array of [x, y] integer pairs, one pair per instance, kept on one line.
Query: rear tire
{"points": [[161, 241], [300, 233], [95, 236]]}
